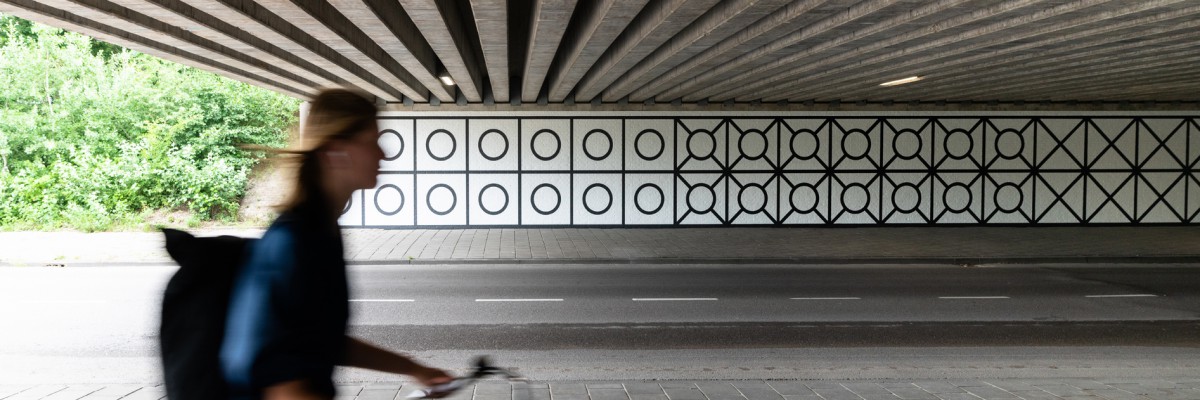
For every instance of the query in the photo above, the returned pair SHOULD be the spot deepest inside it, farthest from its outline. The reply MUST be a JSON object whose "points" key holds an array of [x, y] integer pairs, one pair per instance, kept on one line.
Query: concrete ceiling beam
{"points": [[39, 12], [719, 23], [323, 22], [655, 25], [272, 28], [148, 27], [793, 17], [443, 29], [491, 21], [1058, 41], [547, 25], [385, 23], [601, 21]]}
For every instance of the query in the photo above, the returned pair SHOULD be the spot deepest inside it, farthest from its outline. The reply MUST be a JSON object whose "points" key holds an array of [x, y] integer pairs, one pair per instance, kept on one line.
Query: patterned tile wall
{"points": [[654, 171]]}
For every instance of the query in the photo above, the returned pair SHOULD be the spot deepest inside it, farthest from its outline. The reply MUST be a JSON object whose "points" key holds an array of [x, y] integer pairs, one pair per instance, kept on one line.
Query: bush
{"points": [[94, 136]]}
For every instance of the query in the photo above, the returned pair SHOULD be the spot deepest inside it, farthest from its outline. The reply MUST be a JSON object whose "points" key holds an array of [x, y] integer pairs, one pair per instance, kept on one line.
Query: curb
{"points": [[964, 261]]}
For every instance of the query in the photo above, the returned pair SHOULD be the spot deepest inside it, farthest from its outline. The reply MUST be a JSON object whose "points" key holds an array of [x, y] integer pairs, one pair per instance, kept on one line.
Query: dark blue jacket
{"points": [[290, 306]]}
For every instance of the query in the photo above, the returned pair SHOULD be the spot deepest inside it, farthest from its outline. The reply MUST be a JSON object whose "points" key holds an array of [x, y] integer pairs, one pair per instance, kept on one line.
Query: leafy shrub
{"points": [[94, 136]]}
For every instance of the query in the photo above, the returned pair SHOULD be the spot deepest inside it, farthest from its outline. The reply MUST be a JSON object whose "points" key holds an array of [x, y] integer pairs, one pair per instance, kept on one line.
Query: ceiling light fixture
{"points": [[446, 80], [910, 79]]}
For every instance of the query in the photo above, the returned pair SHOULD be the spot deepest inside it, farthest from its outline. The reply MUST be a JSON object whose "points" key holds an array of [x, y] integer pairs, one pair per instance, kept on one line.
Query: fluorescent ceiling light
{"points": [[910, 79], [446, 80]]}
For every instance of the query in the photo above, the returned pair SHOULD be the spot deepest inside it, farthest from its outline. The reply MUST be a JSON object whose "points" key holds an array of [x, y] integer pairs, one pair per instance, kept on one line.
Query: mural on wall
{"points": [[656, 171]]}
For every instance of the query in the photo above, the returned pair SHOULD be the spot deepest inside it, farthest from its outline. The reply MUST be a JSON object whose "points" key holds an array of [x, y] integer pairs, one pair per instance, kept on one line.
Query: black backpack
{"points": [[193, 313]]}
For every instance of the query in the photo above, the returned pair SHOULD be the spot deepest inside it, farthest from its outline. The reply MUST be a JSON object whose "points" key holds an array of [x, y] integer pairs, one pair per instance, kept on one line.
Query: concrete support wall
{"points": [[688, 169]]}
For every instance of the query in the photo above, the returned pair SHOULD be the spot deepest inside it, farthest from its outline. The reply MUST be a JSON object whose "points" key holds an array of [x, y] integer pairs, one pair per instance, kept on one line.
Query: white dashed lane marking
{"points": [[382, 300], [1121, 295]]}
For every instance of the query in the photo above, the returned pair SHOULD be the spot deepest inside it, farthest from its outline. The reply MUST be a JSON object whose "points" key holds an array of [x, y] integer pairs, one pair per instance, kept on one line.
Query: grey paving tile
{"points": [[384, 385], [493, 396], [1086, 384], [533, 394], [685, 393], [719, 390], [792, 389], [957, 396], [493, 388], [802, 397], [990, 392], [1115, 394], [1062, 390], [378, 394], [837, 394], [37, 392], [1014, 385], [9, 390], [913, 393], [606, 385], [648, 397], [824, 385], [568, 389], [939, 387], [1035, 395], [644, 388], [751, 385], [74, 392], [348, 390], [761, 393], [608, 394], [677, 384]]}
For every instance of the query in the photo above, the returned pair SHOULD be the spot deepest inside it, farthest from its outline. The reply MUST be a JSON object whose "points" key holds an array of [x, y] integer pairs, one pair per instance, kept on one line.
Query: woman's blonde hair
{"points": [[333, 114]]}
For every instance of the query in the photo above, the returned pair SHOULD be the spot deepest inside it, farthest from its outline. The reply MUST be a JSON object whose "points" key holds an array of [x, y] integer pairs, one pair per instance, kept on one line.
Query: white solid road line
{"points": [[382, 300], [677, 299], [826, 298], [972, 297], [1122, 295], [499, 300]]}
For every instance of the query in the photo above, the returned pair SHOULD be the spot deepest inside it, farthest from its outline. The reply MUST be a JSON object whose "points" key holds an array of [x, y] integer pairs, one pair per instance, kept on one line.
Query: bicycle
{"points": [[483, 369]]}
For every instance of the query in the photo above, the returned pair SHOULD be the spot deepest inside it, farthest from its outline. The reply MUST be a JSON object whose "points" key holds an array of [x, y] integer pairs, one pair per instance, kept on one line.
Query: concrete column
{"points": [[303, 118]]}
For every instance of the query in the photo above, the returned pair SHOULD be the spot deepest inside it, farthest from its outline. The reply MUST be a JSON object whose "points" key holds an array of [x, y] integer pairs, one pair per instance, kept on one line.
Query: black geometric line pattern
{"points": [[787, 170]]}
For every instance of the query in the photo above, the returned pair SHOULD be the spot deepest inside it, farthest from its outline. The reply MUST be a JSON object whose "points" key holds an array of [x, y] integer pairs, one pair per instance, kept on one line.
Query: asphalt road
{"points": [[78, 325]]}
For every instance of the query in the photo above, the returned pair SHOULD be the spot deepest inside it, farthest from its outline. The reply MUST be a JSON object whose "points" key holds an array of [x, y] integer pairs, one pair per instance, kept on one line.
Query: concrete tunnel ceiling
{"points": [[667, 51]]}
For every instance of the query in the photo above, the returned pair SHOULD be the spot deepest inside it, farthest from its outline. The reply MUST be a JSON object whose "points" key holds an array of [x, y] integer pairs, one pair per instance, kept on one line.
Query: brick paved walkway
{"points": [[732, 245], [1119, 389]]}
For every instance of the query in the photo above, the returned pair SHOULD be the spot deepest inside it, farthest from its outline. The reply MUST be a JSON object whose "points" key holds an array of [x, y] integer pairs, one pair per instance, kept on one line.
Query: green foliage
{"points": [[94, 136]]}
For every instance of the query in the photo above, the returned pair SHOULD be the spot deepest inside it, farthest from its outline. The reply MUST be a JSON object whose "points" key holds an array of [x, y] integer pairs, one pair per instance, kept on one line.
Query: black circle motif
{"points": [[816, 144], [896, 200], [485, 189], [557, 145], [557, 201], [588, 152], [637, 145], [399, 138], [866, 141], [453, 145], [429, 197], [946, 197], [638, 195], [951, 153], [711, 193], [897, 140], [1000, 148], [858, 187], [589, 207], [816, 198], [1020, 198], [711, 151], [398, 207], [742, 140], [484, 153], [742, 200]]}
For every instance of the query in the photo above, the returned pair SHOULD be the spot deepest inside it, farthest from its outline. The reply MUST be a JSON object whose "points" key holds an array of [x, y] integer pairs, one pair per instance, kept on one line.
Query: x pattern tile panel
{"points": [[643, 171]]}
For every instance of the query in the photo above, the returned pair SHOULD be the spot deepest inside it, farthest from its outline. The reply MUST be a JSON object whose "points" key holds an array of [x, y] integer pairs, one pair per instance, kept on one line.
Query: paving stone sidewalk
{"points": [[1004, 389], [677, 245]]}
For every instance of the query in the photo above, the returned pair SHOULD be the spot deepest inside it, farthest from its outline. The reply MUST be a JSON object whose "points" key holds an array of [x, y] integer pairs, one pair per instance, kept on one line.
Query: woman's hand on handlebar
{"points": [[431, 376]]}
